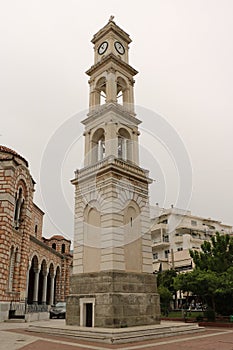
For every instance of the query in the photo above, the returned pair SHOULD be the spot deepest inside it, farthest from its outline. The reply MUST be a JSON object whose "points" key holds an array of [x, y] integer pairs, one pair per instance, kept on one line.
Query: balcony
{"points": [[159, 227], [189, 227], [161, 243], [178, 238]]}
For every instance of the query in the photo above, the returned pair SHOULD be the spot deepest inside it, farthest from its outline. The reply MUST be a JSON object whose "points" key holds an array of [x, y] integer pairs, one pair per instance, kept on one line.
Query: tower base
{"points": [[113, 299]]}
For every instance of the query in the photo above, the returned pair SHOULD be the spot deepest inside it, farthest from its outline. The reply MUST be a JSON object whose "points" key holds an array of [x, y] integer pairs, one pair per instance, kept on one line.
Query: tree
{"points": [[165, 299], [166, 278], [212, 277], [200, 283], [166, 288], [216, 255]]}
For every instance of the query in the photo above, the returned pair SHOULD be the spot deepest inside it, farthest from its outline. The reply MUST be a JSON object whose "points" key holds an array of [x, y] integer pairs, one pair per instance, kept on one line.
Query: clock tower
{"points": [[112, 283]]}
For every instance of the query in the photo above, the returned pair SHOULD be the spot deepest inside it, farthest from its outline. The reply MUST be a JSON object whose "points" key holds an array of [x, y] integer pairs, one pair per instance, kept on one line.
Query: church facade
{"points": [[35, 271]]}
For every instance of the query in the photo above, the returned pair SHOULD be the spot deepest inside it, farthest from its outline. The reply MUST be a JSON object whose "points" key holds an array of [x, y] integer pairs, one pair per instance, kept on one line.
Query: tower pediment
{"points": [[111, 27]]}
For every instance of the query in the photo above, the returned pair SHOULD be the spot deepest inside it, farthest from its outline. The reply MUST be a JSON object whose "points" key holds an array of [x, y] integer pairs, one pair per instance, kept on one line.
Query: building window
{"points": [[155, 256], [179, 249], [193, 223], [54, 246], [166, 252], [19, 201], [63, 248], [165, 238], [36, 228], [12, 266]]}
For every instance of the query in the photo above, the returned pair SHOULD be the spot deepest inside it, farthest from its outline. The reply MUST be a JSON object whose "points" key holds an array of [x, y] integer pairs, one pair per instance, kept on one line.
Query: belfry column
{"points": [[87, 155], [111, 140], [135, 155], [111, 87]]}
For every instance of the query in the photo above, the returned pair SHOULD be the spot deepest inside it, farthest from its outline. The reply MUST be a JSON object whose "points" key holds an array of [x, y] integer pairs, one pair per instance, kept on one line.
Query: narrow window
{"points": [[11, 269], [155, 256], [18, 208]]}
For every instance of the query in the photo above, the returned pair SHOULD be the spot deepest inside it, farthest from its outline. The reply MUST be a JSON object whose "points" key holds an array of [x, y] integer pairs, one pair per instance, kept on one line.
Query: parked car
{"points": [[58, 311]]}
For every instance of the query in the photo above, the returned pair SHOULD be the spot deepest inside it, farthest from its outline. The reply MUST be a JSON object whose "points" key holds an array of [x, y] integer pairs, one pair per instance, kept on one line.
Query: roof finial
{"points": [[111, 19]]}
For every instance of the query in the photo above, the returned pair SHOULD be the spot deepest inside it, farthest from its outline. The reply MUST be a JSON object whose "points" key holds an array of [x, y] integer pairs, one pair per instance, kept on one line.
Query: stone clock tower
{"points": [[112, 283]]}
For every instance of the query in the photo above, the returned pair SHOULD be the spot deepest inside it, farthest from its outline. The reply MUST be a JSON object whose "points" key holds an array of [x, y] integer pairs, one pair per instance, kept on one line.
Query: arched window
{"points": [[19, 201], [124, 145], [98, 145], [63, 248], [54, 246]]}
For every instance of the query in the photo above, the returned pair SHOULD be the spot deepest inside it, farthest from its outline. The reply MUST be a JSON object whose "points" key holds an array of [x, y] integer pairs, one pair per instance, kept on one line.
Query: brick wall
{"points": [[21, 240]]}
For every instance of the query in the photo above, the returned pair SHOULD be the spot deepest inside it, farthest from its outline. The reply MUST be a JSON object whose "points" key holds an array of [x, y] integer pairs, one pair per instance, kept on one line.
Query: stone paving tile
{"points": [[208, 343], [44, 345]]}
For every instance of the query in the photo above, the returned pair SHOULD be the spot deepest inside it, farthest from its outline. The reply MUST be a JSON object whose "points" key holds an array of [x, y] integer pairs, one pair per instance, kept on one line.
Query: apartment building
{"points": [[175, 231]]}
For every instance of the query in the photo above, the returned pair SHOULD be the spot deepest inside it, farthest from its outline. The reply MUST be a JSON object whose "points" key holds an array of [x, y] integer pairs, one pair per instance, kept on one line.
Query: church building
{"points": [[35, 271]]}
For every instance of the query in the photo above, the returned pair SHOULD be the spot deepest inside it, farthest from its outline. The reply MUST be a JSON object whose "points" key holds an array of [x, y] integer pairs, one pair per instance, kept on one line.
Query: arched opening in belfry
{"points": [[121, 91], [98, 145], [124, 144], [100, 91]]}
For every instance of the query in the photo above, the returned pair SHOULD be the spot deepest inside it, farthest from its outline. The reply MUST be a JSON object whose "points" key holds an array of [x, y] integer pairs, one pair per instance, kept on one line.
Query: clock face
{"points": [[119, 47], [102, 48]]}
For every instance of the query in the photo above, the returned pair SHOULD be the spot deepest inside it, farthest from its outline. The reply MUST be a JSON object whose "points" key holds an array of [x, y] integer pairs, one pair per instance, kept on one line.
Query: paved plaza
{"points": [[15, 336]]}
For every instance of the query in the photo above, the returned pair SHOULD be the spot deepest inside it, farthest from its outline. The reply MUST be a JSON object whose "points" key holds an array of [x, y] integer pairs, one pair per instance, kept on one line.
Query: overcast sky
{"points": [[183, 50]]}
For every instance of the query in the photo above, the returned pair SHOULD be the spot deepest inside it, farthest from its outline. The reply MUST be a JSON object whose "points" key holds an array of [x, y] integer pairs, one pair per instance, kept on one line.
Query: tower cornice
{"points": [[113, 59], [117, 109], [114, 165]]}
